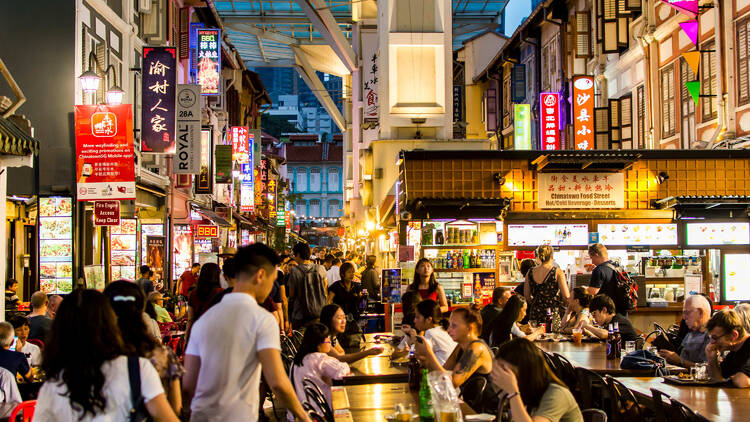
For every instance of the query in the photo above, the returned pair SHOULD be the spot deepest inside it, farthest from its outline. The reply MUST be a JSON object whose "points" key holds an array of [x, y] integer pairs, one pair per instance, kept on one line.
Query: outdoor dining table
{"points": [[715, 403], [376, 369]]}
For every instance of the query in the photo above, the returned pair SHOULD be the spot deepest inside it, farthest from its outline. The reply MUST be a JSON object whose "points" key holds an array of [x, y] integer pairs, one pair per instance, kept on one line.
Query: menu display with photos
{"points": [[735, 270], [637, 234], [122, 244], [548, 234], [56, 245], [182, 249], [146, 231], [718, 233]]}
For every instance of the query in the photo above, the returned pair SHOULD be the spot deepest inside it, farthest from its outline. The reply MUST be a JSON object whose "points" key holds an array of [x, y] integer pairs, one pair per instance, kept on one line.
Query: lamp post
{"points": [[115, 93], [90, 82]]}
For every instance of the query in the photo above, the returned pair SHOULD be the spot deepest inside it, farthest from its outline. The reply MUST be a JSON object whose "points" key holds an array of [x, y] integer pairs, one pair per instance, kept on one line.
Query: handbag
{"points": [[647, 360], [138, 411]]}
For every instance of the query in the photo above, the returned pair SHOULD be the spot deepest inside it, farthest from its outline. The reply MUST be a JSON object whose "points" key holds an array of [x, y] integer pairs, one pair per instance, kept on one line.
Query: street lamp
{"points": [[90, 79], [114, 94]]}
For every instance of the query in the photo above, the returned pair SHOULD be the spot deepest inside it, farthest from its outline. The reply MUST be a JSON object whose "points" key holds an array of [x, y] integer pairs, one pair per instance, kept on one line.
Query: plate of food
{"points": [[56, 248], [64, 286], [47, 286], [47, 270], [687, 379]]}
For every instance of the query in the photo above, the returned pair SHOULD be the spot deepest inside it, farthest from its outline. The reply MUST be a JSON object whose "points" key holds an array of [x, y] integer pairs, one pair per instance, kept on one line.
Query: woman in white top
{"points": [[578, 310], [506, 324], [86, 364], [427, 320], [313, 362], [31, 351]]}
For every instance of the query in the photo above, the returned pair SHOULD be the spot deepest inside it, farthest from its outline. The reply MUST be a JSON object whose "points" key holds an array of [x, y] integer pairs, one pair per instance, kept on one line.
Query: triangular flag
{"points": [[691, 30], [688, 7], [694, 88], [693, 59]]}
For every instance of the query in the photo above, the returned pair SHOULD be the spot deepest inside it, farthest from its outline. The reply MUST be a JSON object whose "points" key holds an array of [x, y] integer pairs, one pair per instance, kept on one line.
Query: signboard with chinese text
{"points": [[370, 76], [271, 198], [159, 79], [208, 62], [549, 120], [548, 234], [223, 157], [204, 181], [522, 126], [583, 112], [105, 168], [281, 214], [240, 148], [581, 190], [155, 255], [188, 148], [206, 231], [107, 213]]}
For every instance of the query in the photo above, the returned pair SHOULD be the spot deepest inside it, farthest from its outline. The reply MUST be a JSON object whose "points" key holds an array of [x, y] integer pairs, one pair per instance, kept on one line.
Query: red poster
{"points": [[107, 213], [104, 152], [550, 120], [240, 151], [583, 112]]}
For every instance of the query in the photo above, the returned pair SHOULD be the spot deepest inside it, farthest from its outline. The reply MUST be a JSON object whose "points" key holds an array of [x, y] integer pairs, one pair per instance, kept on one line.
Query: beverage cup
{"points": [[577, 335], [629, 347]]}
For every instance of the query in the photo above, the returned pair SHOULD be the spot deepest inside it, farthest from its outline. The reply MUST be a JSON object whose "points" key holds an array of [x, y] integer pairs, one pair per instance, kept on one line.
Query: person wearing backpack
{"points": [[609, 279], [307, 286]]}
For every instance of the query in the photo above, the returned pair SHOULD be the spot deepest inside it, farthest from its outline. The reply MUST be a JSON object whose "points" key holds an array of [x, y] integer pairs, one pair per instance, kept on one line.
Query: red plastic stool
{"points": [[26, 408]]}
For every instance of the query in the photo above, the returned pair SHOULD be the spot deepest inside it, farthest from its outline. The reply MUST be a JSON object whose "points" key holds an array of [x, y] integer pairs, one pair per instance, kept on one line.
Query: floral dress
{"points": [[545, 295], [166, 364]]}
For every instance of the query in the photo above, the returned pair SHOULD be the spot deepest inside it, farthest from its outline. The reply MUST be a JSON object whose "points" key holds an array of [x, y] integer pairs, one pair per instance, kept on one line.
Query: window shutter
{"points": [[633, 5], [626, 121], [184, 42], [614, 123], [101, 66], [708, 81], [623, 24], [601, 127], [742, 62], [641, 100], [610, 27], [518, 88], [668, 102], [490, 108], [507, 101], [583, 34]]}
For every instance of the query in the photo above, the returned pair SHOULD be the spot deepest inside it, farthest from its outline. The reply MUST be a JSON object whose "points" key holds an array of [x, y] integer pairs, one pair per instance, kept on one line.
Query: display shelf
{"points": [[459, 246], [465, 270], [664, 280]]}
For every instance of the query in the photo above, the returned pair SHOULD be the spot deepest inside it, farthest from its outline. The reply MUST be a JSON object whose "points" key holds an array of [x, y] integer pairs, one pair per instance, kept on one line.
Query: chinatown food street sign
{"points": [[272, 199], [522, 126], [581, 190], [208, 49], [105, 168], [206, 231], [188, 150], [159, 91], [583, 112], [549, 120]]}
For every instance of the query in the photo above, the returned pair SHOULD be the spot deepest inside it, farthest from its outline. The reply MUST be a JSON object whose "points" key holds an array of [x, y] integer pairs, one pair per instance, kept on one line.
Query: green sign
{"points": [[522, 126], [281, 214], [223, 159]]}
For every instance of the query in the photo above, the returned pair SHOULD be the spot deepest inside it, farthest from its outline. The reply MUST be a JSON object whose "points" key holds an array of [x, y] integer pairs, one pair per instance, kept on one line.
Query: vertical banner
{"points": [[254, 140], [155, 255], [204, 179], [247, 177], [272, 199], [583, 112], [158, 86], [370, 76], [104, 152], [208, 50], [281, 214], [263, 203], [223, 157], [188, 150], [522, 126], [549, 120], [240, 148]]}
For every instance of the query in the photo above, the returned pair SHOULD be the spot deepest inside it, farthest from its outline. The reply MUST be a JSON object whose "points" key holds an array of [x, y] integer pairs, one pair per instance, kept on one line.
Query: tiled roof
{"points": [[14, 141], [336, 153], [304, 153]]}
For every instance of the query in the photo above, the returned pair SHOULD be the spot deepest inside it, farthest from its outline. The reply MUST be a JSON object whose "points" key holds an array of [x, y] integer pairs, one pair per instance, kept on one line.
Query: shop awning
{"points": [[212, 216], [458, 208], [590, 161], [704, 202], [14, 141], [242, 220]]}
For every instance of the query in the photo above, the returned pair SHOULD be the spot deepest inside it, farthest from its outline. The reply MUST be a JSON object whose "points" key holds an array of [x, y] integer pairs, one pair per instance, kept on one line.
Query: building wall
{"points": [[327, 192]]}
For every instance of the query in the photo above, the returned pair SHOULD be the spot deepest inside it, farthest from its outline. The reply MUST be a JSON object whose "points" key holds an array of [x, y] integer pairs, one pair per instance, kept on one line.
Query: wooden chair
{"points": [[682, 413], [662, 406], [593, 389], [625, 406], [26, 409], [472, 393], [594, 415], [566, 372]]}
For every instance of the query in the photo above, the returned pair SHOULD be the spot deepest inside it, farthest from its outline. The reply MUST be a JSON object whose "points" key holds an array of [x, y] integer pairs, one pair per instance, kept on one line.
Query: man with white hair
{"points": [[696, 311], [13, 361]]}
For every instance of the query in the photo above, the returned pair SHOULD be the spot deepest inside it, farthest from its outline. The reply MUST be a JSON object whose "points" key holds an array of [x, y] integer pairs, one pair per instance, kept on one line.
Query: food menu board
{"points": [[182, 248], [718, 233], [638, 234], [146, 231], [735, 270], [56, 245], [122, 244], [548, 234]]}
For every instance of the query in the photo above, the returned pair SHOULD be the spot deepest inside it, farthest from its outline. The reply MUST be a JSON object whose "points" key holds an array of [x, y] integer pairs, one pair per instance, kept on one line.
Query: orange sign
{"points": [[207, 231], [583, 112]]}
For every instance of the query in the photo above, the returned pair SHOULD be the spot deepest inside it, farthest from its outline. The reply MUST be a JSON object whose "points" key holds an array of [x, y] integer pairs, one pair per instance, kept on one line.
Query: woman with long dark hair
{"points": [[128, 302], [314, 362], [545, 286], [427, 285], [578, 310], [86, 363], [333, 317], [506, 324], [428, 320], [535, 393], [207, 287]]}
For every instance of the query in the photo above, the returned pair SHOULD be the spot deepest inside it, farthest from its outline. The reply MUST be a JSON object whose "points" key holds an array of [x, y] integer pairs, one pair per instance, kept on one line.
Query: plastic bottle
{"points": [[467, 263], [426, 413]]}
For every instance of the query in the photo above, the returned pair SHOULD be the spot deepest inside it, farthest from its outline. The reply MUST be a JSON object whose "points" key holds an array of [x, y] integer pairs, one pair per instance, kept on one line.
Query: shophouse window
{"points": [[314, 180], [743, 61], [334, 207], [301, 180], [709, 105], [314, 208], [333, 180], [667, 102], [300, 208], [550, 64], [687, 106], [507, 103], [640, 94], [583, 34]]}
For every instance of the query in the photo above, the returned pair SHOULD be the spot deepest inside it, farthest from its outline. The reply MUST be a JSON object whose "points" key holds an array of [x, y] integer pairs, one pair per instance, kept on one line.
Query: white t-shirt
{"points": [[517, 332], [320, 368], [53, 404], [227, 338], [441, 342], [334, 274], [32, 352]]}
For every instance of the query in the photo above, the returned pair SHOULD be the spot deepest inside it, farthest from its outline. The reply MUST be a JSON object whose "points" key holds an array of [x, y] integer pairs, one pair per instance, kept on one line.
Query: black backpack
{"points": [[626, 290], [310, 293]]}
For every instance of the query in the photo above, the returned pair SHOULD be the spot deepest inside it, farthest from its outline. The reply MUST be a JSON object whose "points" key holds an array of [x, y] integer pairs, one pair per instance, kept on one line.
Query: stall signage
{"points": [[718, 233], [188, 148], [370, 76], [240, 149], [206, 231], [247, 195], [522, 126], [638, 234], [56, 244], [204, 181], [159, 92], [581, 190], [208, 50], [548, 234], [107, 213], [281, 214], [272, 199], [155, 255], [105, 168], [735, 269], [223, 157], [583, 112], [549, 120]]}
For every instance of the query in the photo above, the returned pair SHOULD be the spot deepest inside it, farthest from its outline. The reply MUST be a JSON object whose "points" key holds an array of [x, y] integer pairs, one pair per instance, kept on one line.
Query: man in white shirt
{"points": [[233, 342], [333, 275]]}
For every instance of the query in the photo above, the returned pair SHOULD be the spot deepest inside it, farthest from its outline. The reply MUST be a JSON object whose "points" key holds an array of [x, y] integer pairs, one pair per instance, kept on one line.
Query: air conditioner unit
{"points": [[144, 6]]}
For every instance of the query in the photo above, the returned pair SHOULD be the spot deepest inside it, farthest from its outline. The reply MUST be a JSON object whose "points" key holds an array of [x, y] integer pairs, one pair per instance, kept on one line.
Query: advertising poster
{"points": [[549, 120], [208, 63], [718, 233], [94, 277], [637, 234], [735, 270], [548, 234], [159, 88], [182, 249], [240, 149], [188, 148], [146, 231], [204, 179], [370, 75], [581, 190], [122, 244], [223, 157], [522, 126], [105, 167], [390, 286], [155, 255], [583, 112], [56, 245]]}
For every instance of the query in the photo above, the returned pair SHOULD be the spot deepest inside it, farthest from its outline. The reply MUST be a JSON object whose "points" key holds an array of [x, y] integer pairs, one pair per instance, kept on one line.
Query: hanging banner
{"points": [[254, 139], [522, 126], [158, 86], [240, 148], [104, 152], [688, 7], [208, 49], [281, 214], [549, 120], [223, 159], [583, 112], [155, 255], [188, 149], [204, 179], [107, 213], [370, 76], [272, 199], [581, 190], [262, 197], [247, 196], [247, 179]]}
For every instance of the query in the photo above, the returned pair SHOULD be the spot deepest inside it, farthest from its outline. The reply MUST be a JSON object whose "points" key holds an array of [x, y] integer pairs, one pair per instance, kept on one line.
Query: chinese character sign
{"points": [[583, 112], [271, 199], [522, 126], [204, 179], [208, 62], [370, 75], [240, 150], [581, 190], [159, 92], [104, 152], [549, 120]]}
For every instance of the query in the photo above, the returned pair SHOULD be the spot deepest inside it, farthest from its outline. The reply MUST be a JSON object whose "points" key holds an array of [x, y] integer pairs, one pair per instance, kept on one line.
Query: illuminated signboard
{"points": [[583, 112], [159, 88], [734, 270], [637, 234], [204, 179], [208, 62], [281, 214], [240, 151], [718, 233], [206, 231], [522, 126], [548, 234], [549, 120], [272, 199]]}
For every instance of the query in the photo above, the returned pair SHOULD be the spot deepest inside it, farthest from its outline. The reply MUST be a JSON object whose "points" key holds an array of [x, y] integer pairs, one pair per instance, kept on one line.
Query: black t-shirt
{"points": [[605, 279], [14, 361], [736, 362], [489, 314], [627, 332], [348, 300], [39, 326]]}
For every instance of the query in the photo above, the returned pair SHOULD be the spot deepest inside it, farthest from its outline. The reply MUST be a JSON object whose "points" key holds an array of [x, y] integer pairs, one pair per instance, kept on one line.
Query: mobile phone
{"points": [[419, 340], [13, 345]]}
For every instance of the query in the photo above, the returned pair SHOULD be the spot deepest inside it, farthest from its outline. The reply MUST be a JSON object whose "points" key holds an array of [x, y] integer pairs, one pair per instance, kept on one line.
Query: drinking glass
{"points": [[701, 371], [629, 347], [533, 324], [577, 335]]}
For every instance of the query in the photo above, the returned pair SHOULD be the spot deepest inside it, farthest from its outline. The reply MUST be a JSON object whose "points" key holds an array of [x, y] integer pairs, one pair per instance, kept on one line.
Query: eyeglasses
{"points": [[716, 338]]}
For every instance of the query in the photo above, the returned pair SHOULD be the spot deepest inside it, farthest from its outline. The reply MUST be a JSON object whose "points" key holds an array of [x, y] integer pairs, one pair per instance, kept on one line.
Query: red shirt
{"points": [[425, 294], [188, 279]]}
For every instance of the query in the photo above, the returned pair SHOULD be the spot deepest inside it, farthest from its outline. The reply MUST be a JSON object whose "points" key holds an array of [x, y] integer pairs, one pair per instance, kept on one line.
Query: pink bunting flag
{"points": [[691, 30], [688, 7]]}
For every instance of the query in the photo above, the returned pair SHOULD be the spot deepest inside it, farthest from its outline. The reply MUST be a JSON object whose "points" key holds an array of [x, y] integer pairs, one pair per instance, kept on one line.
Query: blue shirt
{"points": [[15, 362]]}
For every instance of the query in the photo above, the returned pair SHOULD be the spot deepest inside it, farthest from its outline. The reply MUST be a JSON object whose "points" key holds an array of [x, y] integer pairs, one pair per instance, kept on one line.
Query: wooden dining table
{"points": [[715, 403], [379, 368]]}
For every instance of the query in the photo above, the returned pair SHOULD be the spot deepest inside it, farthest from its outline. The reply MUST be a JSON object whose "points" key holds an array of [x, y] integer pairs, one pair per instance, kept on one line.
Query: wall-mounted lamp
{"points": [[115, 93], [499, 178], [90, 79], [662, 177]]}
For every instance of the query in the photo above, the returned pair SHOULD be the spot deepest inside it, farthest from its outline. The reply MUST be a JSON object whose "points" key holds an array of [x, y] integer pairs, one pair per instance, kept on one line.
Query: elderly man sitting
{"points": [[696, 311]]}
